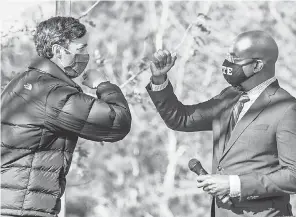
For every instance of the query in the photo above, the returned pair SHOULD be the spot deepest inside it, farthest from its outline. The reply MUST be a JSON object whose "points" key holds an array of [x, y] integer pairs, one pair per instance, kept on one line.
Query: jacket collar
{"points": [[272, 88], [44, 65]]}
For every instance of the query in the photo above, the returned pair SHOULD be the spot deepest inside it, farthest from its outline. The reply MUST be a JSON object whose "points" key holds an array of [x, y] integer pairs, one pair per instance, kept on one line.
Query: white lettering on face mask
{"points": [[226, 70]]}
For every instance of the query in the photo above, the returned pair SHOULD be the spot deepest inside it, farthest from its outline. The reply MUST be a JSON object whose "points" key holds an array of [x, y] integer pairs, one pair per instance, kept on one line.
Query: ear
{"points": [[258, 66], [56, 50]]}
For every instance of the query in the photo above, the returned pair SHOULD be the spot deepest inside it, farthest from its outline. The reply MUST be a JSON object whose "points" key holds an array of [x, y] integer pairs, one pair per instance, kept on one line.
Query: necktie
{"points": [[238, 107]]}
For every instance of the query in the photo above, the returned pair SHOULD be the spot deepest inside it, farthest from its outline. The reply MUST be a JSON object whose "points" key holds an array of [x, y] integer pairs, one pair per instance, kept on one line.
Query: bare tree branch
{"points": [[181, 68], [152, 16], [169, 178], [133, 77], [63, 8], [28, 30], [183, 38], [88, 10], [162, 26]]}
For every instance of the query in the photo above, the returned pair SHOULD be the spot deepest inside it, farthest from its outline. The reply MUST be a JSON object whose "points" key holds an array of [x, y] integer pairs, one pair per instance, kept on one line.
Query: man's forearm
{"points": [[187, 118], [278, 183]]}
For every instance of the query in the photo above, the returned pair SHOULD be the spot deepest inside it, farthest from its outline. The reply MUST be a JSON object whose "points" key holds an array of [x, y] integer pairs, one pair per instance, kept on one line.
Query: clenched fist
{"points": [[161, 63]]}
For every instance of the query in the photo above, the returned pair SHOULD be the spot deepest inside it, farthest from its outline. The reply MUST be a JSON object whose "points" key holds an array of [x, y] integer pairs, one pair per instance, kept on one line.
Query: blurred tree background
{"points": [[146, 174]]}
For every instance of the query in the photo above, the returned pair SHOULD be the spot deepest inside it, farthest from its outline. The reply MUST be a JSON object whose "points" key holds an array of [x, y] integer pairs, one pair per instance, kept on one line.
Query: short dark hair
{"points": [[56, 30]]}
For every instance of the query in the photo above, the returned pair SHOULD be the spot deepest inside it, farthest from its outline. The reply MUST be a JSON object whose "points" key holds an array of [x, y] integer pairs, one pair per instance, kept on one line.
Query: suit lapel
{"points": [[258, 106]]}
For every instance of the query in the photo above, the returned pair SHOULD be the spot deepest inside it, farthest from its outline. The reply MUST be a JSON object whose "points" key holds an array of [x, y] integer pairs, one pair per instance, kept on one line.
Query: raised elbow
{"points": [[124, 127], [121, 126], [176, 124]]}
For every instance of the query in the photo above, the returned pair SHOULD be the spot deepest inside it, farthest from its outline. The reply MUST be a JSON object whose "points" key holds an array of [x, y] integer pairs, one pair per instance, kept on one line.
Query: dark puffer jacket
{"points": [[43, 114]]}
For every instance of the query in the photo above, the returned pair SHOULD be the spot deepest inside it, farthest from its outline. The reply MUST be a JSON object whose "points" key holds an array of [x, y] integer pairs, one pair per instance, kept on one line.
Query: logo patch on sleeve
{"points": [[28, 86]]}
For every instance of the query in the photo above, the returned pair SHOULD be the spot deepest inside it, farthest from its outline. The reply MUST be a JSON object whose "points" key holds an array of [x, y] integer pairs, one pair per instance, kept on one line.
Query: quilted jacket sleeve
{"points": [[106, 118]]}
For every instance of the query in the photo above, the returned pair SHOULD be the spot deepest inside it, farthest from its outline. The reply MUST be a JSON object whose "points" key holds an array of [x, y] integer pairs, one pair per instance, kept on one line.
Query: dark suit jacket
{"points": [[261, 149]]}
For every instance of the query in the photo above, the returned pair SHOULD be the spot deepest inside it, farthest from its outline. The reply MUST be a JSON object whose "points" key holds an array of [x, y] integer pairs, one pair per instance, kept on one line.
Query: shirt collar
{"points": [[46, 66], [254, 93]]}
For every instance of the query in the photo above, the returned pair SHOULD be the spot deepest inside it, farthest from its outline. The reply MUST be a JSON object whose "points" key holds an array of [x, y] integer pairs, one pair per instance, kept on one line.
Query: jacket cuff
{"points": [[107, 89], [161, 94], [249, 187], [155, 87]]}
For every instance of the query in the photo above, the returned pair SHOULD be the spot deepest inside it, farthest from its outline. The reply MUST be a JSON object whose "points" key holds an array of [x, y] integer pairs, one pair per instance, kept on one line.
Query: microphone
{"points": [[196, 167]]}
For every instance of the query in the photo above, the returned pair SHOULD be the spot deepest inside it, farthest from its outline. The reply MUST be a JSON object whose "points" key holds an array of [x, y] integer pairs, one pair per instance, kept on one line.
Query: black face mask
{"points": [[77, 66], [234, 73]]}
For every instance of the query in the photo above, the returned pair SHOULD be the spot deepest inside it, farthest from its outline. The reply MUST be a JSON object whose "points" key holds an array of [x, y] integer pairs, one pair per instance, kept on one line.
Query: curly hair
{"points": [[56, 30]]}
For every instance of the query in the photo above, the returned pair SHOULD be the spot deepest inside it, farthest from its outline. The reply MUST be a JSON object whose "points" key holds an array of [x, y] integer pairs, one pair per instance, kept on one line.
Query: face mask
{"points": [[77, 65], [234, 73]]}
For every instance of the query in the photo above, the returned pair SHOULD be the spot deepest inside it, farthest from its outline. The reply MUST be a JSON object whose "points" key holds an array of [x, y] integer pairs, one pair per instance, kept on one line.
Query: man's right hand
{"points": [[92, 78], [161, 63]]}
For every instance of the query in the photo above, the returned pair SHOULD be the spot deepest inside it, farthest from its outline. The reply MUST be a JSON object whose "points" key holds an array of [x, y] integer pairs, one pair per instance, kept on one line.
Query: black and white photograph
{"points": [[148, 108]]}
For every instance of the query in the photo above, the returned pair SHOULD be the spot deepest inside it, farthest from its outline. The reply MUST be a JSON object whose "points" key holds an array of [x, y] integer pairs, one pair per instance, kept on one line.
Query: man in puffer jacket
{"points": [[43, 114]]}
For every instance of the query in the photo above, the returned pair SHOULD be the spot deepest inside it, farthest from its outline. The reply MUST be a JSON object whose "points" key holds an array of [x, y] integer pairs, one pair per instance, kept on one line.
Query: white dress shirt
{"points": [[253, 94]]}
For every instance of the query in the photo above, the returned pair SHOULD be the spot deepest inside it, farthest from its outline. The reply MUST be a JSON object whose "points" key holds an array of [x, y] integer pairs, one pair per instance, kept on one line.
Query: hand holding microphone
{"points": [[196, 167]]}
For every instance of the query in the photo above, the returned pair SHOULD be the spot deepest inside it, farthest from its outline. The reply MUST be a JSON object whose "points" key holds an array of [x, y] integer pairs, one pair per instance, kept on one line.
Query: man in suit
{"points": [[254, 128]]}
